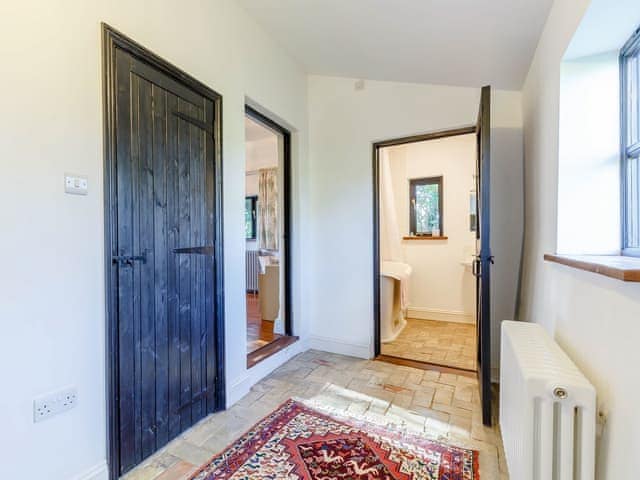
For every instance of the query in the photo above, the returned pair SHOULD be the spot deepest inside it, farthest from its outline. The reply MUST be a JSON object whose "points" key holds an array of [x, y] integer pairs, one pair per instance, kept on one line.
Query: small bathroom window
{"points": [[425, 216]]}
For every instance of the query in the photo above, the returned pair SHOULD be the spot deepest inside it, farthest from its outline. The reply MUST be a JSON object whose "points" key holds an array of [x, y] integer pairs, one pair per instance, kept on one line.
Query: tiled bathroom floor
{"points": [[444, 343], [438, 405]]}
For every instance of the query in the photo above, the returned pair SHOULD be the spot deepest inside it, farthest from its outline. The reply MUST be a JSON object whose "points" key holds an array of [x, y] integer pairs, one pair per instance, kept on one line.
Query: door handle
{"points": [[205, 250], [475, 266], [128, 260]]}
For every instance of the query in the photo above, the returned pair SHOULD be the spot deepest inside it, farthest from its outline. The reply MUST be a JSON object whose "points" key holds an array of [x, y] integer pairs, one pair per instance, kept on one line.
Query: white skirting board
{"points": [[334, 345], [440, 315], [97, 472], [239, 387]]}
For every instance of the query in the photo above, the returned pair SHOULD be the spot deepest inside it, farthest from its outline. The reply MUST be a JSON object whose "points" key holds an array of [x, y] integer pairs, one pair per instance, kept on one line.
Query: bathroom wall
{"points": [[441, 287]]}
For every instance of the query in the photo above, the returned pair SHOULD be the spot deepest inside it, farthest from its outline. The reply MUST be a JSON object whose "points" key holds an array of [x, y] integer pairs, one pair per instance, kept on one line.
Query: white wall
{"points": [[440, 286], [589, 156], [52, 280], [595, 319], [343, 124]]}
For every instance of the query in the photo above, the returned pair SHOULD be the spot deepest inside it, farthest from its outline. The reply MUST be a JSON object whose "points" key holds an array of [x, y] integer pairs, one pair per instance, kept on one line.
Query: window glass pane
{"points": [[636, 100], [427, 208], [630, 93], [632, 100], [248, 218], [633, 203]]}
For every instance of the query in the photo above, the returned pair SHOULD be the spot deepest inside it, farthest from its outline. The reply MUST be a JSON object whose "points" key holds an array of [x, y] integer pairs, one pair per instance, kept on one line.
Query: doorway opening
{"points": [[431, 192], [267, 236], [427, 199]]}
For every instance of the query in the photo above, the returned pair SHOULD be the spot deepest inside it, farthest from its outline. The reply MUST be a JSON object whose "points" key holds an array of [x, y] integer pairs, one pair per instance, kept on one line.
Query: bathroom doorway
{"points": [[267, 236], [427, 235], [432, 253]]}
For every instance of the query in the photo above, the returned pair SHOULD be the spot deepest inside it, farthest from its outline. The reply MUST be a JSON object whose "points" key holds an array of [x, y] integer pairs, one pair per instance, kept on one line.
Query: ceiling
{"points": [[450, 42], [254, 131], [261, 146]]}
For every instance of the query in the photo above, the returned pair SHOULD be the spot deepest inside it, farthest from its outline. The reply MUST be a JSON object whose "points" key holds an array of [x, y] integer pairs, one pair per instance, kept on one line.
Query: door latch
{"points": [[128, 260]]}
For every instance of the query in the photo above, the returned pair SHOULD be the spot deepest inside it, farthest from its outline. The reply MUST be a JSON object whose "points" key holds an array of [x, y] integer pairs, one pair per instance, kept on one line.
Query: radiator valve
{"points": [[601, 421], [560, 393]]}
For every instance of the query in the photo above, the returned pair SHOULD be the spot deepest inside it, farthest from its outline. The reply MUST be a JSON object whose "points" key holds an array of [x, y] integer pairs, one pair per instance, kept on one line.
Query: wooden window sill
{"points": [[424, 237], [626, 269]]}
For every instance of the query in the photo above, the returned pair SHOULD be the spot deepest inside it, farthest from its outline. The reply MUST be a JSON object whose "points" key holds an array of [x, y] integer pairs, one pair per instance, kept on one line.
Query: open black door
{"points": [[484, 259]]}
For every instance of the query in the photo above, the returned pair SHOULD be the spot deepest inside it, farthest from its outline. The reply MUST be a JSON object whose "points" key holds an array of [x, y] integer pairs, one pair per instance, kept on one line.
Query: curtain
{"points": [[391, 252], [390, 241], [268, 228]]}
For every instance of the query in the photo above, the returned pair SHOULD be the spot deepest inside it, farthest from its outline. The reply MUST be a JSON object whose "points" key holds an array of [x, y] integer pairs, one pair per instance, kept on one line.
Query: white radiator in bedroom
{"points": [[253, 267], [547, 408]]}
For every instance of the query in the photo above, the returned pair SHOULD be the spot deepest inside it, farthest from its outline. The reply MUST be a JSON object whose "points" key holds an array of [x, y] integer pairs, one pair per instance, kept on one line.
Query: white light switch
{"points": [[76, 184]]}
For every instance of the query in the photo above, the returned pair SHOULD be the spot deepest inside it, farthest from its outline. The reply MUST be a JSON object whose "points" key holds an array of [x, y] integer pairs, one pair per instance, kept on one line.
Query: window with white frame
{"points": [[630, 144]]}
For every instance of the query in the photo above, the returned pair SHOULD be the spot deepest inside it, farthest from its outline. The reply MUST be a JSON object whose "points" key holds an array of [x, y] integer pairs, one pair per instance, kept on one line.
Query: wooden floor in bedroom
{"points": [[259, 332]]}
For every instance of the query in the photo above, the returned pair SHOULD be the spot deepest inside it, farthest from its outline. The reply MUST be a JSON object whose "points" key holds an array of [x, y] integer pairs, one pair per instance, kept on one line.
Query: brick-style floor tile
{"points": [[443, 407], [180, 471], [446, 343]]}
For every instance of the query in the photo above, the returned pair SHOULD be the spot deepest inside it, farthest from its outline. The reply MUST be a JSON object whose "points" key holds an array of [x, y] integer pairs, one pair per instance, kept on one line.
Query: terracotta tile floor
{"points": [[440, 406], [444, 343]]}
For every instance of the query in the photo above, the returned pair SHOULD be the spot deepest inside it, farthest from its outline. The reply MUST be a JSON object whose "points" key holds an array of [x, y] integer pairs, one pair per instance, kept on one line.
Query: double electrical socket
{"points": [[54, 403]]}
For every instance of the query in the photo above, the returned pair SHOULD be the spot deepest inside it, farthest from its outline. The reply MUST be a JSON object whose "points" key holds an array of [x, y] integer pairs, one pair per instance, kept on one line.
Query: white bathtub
{"points": [[394, 278]]}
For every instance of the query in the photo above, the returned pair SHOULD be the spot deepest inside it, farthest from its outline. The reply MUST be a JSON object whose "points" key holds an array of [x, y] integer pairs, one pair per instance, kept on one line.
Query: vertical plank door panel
{"points": [[194, 212], [209, 283], [135, 249], [146, 269], [124, 233], [160, 264], [165, 201], [173, 269], [184, 265]]}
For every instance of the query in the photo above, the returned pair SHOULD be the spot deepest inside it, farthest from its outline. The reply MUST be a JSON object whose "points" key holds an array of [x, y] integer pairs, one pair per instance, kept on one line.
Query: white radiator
{"points": [[253, 268], [547, 408]]}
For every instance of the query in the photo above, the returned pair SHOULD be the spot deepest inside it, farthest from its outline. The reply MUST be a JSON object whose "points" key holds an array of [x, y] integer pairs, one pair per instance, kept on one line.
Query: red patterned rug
{"points": [[296, 442]]}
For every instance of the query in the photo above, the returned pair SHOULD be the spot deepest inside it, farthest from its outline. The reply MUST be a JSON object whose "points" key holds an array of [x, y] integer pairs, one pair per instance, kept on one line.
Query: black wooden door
{"points": [[164, 201], [484, 258]]}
